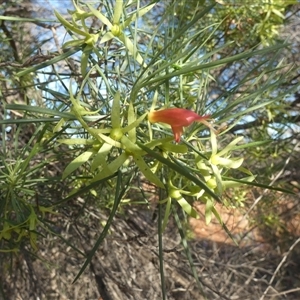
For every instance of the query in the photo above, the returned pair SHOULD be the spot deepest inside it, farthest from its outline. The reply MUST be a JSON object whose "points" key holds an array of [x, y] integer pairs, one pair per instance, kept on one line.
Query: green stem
{"points": [[160, 250]]}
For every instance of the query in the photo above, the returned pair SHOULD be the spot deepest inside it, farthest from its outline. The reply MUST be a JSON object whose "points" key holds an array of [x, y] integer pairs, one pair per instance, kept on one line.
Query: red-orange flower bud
{"points": [[177, 118]]}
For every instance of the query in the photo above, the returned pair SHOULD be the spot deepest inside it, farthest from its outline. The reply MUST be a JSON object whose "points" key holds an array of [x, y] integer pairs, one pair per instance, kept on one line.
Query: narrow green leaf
{"points": [[112, 168], [115, 111], [77, 162], [161, 252], [231, 163], [253, 144], [117, 11], [187, 207], [118, 197], [109, 140], [100, 157], [73, 43], [98, 15], [144, 168], [59, 125], [192, 67], [132, 49], [18, 19], [131, 147], [69, 26], [76, 141], [175, 148], [107, 37], [265, 186], [167, 213], [39, 110], [49, 62], [230, 146], [131, 119], [208, 210], [85, 59], [32, 121], [218, 178], [158, 142], [134, 124], [246, 111], [278, 13], [213, 141], [142, 11], [246, 171], [154, 100]]}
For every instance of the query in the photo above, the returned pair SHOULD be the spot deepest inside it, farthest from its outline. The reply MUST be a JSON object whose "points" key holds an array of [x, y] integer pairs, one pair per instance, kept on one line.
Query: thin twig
{"points": [[279, 267]]}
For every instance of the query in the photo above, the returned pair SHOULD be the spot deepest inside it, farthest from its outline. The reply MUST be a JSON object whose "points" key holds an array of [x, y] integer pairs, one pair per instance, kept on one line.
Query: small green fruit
{"points": [[115, 30], [175, 194], [116, 134]]}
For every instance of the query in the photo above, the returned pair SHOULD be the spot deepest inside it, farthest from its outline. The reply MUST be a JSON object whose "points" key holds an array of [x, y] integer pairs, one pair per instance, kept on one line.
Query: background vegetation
{"points": [[92, 193]]}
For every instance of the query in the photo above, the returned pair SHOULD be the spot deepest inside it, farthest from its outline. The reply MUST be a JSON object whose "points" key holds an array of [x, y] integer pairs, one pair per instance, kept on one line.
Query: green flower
{"points": [[221, 159]]}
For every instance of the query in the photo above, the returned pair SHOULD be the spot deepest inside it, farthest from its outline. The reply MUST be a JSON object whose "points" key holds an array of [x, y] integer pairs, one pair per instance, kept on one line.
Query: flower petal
{"points": [[177, 131], [177, 118]]}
